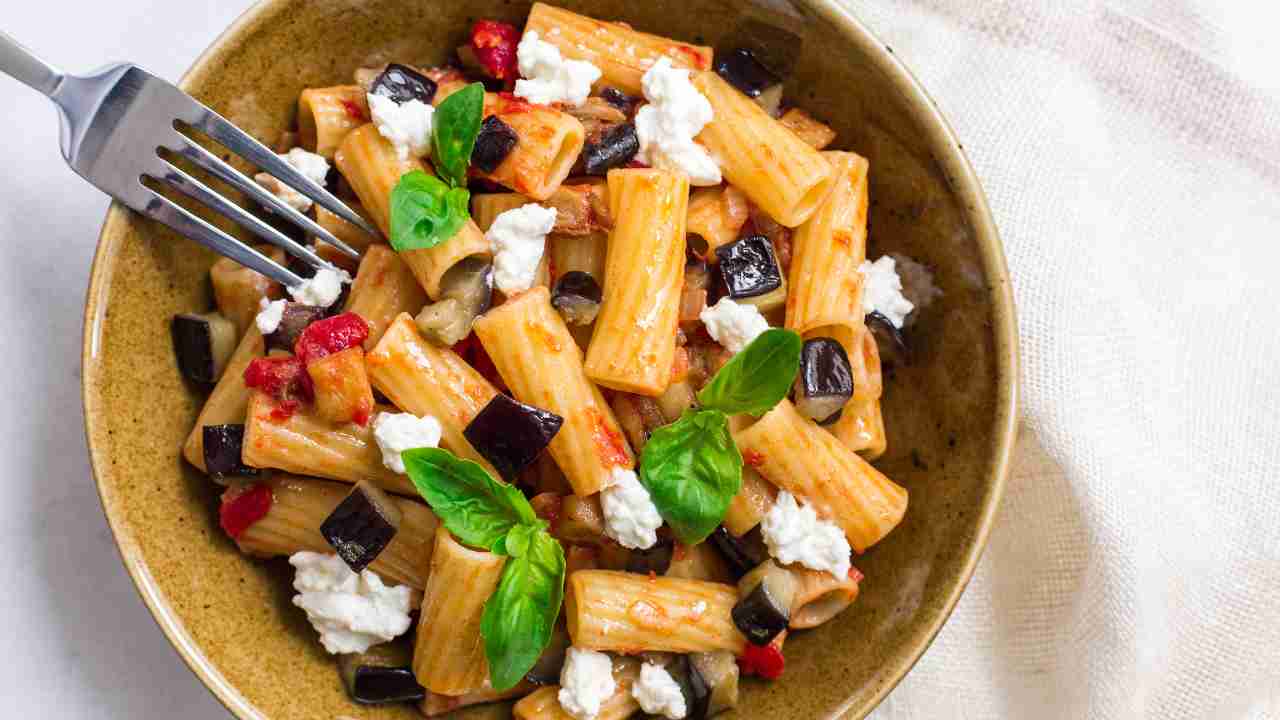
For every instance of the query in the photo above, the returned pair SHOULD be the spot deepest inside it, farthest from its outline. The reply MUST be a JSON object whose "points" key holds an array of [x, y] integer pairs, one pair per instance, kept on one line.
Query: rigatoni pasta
{"points": [[384, 288], [548, 143], [717, 215], [326, 115]]}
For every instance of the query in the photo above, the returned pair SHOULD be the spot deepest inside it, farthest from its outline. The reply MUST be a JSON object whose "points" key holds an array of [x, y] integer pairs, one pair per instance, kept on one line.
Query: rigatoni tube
{"points": [[383, 289], [548, 143], [634, 339], [326, 115], [820, 596], [229, 401]]}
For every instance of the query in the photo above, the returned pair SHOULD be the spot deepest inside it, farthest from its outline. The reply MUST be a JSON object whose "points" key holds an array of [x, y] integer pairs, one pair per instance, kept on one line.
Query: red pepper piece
{"points": [[329, 336], [494, 44], [765, 661], [242, 510], [283, 378]]}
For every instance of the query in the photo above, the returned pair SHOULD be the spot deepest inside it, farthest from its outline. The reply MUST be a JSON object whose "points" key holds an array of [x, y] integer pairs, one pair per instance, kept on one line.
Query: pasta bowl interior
{"points": [[939, 424]]}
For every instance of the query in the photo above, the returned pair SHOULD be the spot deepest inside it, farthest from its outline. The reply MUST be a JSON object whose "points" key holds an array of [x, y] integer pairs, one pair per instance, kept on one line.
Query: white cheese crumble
{"points": [[586, 681], [666, 126], [882, 290], [518, 238], [658, 693], [270, 313], [397, 432], [312, 166], [351, 612], [733, 325], [549, 78], [322, 289], [407, 126], [630, 516], [795, 534]]}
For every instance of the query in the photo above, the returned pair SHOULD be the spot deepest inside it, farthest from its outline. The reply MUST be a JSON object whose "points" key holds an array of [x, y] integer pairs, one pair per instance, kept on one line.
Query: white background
{"points": [[1098, 156]]}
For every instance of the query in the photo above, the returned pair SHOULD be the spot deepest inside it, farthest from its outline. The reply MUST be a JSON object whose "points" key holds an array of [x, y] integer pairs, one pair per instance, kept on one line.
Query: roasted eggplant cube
{"points": [[890, 341], [203, 344], [656, 560], [577, 297], [825, 381], [743, 553], [223, 445], [402, 83], [719, 672], [510, 434], [295, 318], [765, 608], [613, 148], [748, 268], [615, 97], [381, 675], [362, 525], [741, 69], [494, 143]]}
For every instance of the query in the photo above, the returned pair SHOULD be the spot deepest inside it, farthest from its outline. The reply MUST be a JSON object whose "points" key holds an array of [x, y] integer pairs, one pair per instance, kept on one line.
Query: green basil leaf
{"points": [[758, 377], [476, 508], [692, 470], [519, 616], [453, 133], [425, 212]]}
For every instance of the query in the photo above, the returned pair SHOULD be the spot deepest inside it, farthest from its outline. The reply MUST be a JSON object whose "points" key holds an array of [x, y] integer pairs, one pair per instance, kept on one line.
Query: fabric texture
{"points": [[1131, 153]]}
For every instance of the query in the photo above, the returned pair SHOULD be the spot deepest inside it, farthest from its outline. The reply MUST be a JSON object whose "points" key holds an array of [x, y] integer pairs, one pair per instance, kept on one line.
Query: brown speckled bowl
{"points": [[950, 416]]}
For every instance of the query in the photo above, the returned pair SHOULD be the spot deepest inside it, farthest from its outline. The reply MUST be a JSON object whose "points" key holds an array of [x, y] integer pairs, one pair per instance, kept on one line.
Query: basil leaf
{"points": [[692, 470], [425, 212], [477, 509], [453, 134], [519, 616], [758, 377]]}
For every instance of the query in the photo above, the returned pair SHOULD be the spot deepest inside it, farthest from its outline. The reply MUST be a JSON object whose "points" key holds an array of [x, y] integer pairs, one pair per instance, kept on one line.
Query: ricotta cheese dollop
{"points": [[630, 516], [586, 681], [882, 290], [658, 693], [675, 114], [397, 432], [733, 325], [270, 313], [351, 612], [322, 289], [795, 534], [518, 238], [312, 166], [407, 126], [548, 76]]}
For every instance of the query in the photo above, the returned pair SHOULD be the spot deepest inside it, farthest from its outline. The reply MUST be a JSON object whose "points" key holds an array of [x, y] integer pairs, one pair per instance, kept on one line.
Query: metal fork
{"points": [[115, 122]]}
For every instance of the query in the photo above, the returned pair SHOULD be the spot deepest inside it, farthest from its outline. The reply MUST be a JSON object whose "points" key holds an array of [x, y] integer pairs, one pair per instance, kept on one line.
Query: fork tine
{"points": [[166, 211], [203, 194], [228, 174], [241, 143]]}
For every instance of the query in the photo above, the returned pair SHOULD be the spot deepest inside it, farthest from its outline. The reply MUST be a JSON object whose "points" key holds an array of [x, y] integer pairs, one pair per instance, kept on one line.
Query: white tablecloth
{"points": [[1131, 150]]}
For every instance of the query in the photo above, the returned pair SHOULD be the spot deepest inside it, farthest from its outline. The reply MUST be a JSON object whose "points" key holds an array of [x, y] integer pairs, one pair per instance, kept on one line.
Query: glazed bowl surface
{"points": [[950, 414]]}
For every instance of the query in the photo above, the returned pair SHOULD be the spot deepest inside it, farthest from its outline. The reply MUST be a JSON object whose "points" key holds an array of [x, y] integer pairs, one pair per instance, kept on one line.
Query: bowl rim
{"points": [[957, 170]]}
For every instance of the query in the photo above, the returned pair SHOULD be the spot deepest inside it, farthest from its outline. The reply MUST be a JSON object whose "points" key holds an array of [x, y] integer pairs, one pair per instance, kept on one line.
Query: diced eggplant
{"points": [[295, 318], [203, 344], [381, 675], [615, 97], [402, 83], [825, 381], [718, 672], [546, 671], [222, 451], [749, 269], [495, 141], [510, 434], [694, 688], [764, 609], [889, 338], [614, 147], [466, 291], [741, 69], [656, 560], [581, 519], [577, 297], [743, 553], [362, 525], [444, 323]]}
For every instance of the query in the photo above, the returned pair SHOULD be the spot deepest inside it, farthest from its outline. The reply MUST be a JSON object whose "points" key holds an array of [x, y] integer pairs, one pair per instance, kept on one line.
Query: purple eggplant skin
{"points": [[402, 83], [222, 451], [889, 338], [741, 69], [656, 560], [620, 100], [203, 344], [295, 318], [511, 434], [494, 143], [362, 525], [743, 554], [373, 685], [614, 148], [748, 267], [577, 296], [824, 383], [760, 616]]}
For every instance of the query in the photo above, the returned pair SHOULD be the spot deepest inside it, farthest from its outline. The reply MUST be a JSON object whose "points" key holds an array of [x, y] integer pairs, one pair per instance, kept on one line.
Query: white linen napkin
{"points": [[1131, 153]]}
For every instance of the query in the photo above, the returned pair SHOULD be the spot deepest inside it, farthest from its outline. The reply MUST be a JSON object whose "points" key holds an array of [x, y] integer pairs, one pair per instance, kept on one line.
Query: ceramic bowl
{"points": [[950, 414]]}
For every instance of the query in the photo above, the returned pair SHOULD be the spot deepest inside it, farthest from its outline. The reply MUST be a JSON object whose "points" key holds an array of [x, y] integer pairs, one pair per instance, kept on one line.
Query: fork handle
{"points": [[23, 65]]}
